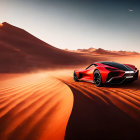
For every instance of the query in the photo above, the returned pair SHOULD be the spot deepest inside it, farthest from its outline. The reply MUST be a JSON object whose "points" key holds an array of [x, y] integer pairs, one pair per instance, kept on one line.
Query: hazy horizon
{"points": [[75, 24]]}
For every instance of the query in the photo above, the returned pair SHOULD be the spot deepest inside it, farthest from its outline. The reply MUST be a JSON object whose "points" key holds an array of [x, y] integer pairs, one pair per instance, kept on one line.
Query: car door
{"points": [[88, 73]]}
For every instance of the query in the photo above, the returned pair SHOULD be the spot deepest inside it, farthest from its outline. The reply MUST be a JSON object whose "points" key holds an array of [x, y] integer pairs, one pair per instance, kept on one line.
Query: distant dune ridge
{"points": [[101, 51]]}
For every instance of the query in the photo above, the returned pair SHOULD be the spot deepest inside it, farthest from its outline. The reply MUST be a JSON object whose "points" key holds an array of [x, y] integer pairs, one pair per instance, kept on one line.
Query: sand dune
{"points": [[34, 107], [20, 51], [38, 106]]}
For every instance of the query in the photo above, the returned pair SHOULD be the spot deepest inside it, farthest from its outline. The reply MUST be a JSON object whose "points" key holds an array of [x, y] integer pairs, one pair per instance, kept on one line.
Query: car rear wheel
{"points": [[97, 78], [75, 77]]}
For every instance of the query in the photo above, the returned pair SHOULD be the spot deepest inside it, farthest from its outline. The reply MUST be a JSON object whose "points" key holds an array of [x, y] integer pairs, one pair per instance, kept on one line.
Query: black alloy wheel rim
{"points": [[97, 78]]}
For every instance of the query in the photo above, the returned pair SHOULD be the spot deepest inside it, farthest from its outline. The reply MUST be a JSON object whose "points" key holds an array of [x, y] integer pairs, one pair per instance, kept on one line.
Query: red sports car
{"points": [[104, 72]]}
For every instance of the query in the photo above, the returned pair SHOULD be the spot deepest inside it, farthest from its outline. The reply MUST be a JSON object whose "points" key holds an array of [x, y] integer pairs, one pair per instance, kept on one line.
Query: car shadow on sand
{"points": [[96, 120], [126, 85]]}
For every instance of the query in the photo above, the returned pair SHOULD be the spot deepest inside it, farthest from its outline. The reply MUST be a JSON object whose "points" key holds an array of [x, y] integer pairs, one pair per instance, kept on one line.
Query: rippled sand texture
{"points": [[33, 107], [51, 106]]}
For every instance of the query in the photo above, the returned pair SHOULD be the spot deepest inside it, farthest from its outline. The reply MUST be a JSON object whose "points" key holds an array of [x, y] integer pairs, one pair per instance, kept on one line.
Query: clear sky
{"points": [[73, 24]]}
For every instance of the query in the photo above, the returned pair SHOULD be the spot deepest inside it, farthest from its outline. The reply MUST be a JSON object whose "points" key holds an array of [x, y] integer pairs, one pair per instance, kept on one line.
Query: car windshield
{"points": [[117, 65], [91, 66]]}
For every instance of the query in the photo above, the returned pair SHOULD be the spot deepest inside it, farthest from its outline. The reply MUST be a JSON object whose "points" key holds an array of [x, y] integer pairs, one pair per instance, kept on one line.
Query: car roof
{"points": [[116, 65], [106, 62]]}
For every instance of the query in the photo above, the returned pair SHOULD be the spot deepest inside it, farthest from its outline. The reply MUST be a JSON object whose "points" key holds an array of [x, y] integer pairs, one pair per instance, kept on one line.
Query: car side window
{"points": [[91, 66]]}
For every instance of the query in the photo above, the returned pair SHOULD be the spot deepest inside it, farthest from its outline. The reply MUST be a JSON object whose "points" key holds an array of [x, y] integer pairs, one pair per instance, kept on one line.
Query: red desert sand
{"points": [[49, 105]]}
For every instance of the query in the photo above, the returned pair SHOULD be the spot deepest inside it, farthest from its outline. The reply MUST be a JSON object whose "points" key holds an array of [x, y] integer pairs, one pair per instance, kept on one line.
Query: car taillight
{"points": [[110, 69]]}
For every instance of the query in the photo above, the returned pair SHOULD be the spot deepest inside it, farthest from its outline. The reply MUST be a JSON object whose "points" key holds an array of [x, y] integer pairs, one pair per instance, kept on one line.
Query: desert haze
{"points": [[40, 101]]}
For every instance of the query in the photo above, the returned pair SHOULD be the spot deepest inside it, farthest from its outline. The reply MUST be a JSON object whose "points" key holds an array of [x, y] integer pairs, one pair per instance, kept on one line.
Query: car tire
{"points": [[97, 78], [75, 77]]}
